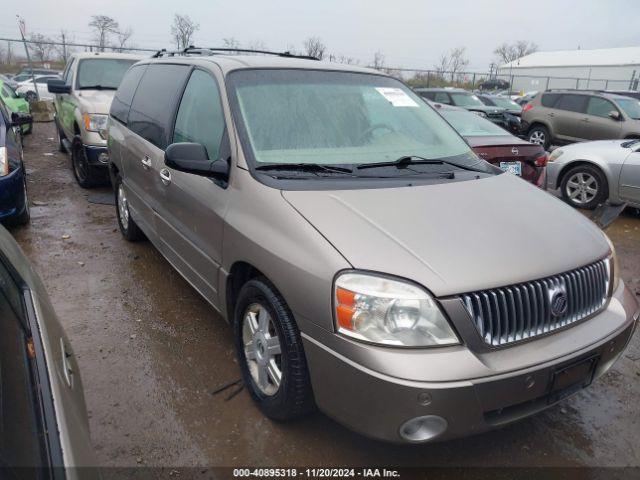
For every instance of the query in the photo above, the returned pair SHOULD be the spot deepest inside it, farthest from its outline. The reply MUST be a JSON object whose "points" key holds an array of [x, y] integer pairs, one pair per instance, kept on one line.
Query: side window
{"points": [[200, 118], [600, 107], [154, 102], [442, 97], [122, 99], [572, 103], [427, 95], [549, 100], [66, 76]]}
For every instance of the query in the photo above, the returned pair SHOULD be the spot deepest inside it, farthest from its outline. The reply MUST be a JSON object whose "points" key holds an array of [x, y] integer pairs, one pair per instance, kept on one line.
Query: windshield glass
{"points": [[465, 100], [9, 92], [504, 102], [330, 118], [21, 78], [471, 125], [630, 106], [105, 72]]}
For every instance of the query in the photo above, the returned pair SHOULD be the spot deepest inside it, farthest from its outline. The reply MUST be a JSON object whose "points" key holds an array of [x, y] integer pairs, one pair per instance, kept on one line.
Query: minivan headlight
{"points": [[386, 311], [4, 162], [613, 264]]}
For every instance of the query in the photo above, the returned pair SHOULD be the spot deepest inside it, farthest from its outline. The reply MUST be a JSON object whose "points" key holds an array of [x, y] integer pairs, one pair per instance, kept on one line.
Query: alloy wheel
{"points": [[582, 188], [537, 137], [123, 207], [262, 350]]}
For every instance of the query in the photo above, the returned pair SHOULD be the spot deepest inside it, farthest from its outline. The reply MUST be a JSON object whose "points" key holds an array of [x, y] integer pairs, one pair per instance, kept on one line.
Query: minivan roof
{"points": [[228, 63], [107, 55]]}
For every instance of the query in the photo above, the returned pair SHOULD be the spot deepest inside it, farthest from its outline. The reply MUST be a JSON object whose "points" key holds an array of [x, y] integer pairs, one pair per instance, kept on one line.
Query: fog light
{"points": [[103, 158], [421, 429]]}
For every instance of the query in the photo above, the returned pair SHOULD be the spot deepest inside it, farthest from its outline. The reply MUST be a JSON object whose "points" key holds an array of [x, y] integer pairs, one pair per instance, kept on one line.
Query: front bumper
{"points": [[12, 199], [367, 399], [553, 175], [97, 156]]}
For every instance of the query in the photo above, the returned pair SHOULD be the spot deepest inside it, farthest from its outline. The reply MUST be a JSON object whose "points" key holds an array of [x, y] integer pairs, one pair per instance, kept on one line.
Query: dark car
{"points": [[44, 431], [497, 146], [494, 84], [14, 206], [467, 100], [512, 113]]}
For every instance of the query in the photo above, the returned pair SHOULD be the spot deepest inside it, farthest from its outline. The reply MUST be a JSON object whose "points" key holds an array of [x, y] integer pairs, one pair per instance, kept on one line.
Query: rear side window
{"points": [[572, 103], [122, 100], [549, 99], [429, 95], [200, 118], [442, 97], [600, 107], [154, 102]]}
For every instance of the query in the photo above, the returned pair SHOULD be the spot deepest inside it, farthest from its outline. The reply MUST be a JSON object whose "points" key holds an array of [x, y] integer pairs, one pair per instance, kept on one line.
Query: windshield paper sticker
{"points": [[397, 97]]}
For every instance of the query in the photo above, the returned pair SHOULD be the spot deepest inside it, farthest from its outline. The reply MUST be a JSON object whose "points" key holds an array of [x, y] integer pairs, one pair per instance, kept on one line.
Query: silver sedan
{"points": [[592, 173]]}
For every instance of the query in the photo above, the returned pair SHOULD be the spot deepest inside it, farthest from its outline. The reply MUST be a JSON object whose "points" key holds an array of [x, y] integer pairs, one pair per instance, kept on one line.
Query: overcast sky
{"points": [[410, 33]]}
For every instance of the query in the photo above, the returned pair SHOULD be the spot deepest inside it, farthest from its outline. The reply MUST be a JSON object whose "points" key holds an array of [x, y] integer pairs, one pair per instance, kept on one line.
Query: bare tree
{"points": [[64, 50], [41, 46], [508, 53], [123, 37], [230, 42], [458, 61], [103, 26], [182, 30], [444, 62], [257, 45], [378, 60], [314, 47]]}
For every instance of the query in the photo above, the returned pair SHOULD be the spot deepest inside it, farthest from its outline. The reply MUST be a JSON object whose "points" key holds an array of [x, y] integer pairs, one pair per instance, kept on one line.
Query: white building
{"points": [[605, 68]]}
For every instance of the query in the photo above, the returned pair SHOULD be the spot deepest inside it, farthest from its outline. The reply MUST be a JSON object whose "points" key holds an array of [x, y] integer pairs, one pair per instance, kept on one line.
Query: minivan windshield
{"points": [[631, 107], [102, 73], [337, 118]]}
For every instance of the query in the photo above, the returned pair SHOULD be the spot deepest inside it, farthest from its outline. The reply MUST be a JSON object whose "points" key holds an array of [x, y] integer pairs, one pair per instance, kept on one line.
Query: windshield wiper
{"points": [[406, 160], [305, 167], [97, 87]]}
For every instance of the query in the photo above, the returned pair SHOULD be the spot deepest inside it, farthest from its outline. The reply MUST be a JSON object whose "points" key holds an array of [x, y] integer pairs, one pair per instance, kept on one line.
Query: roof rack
{"points": [[191, 50]]}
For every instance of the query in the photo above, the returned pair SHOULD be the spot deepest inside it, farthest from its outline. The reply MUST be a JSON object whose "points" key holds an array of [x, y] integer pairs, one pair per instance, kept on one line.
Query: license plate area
{"points": [[569, 379], [512, 167]]}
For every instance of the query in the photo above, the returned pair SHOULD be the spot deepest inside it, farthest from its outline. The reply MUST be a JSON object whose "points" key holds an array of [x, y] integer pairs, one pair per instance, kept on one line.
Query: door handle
{"points": [[165, 176], [146, 162]]}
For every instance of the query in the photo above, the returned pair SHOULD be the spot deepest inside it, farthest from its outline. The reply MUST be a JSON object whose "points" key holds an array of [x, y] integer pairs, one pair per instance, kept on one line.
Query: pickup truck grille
{"points": [[509, 314]]}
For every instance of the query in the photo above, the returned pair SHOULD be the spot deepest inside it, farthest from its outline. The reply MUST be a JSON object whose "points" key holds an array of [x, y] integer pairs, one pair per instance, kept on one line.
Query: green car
{"points": [[15, 103]]}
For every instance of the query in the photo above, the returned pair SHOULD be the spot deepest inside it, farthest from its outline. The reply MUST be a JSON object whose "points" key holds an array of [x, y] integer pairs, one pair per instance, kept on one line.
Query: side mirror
{"points": [[18, 119], [615, 115], [193, 158], [58, 86]]}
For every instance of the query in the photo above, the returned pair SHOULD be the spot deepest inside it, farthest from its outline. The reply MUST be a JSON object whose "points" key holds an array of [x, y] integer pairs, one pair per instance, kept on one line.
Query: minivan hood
{"points": [[96, 101], [454, 237]]}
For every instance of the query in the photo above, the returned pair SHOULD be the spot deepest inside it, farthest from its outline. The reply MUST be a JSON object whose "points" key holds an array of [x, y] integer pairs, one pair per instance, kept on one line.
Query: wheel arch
{"points": [[540, 123], [576, 163], [239, 274]]}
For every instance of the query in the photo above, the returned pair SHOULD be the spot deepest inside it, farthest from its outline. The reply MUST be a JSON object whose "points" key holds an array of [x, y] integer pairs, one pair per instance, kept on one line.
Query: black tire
{"points": [[80, 165], [23, 217], [61, 136], [539, 135], [588, 172], [128, 227], [294, 396]]}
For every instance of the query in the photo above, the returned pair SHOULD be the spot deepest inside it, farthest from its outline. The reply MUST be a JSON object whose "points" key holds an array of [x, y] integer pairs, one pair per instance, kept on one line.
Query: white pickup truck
{"points": [[82, 101]]}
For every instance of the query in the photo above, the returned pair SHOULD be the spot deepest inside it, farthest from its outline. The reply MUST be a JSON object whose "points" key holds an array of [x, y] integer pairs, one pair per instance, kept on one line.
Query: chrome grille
{"points": [[509, 314]]}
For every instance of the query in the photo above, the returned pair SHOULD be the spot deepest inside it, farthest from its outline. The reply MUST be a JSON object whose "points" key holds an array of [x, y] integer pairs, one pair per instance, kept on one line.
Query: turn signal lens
{"points": [[527, 107], [541, 161], [389, 312]]}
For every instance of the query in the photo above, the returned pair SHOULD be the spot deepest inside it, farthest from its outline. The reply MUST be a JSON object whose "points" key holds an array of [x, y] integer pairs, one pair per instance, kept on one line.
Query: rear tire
{"points": [[584, 186], [128, 227], [540, 135], [270, 352]]}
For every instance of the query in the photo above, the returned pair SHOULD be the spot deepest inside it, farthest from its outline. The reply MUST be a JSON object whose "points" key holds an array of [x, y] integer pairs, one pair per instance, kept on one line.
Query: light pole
{"points": [[22, 27]]}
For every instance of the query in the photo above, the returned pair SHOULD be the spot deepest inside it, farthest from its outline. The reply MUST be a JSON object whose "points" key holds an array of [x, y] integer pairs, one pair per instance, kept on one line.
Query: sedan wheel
{"points": [[582, 188], [262, 349]]}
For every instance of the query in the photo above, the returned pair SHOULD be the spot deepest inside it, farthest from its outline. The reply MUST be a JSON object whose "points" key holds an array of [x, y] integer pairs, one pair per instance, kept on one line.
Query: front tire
{"points": [[128, 227], [270, 352], [584, 186], [540, 135], [81, 168], [25, 216]]}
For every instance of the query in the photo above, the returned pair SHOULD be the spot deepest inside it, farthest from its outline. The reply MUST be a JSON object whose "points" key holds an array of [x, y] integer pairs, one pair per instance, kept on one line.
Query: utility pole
{"points": [[64, 46], [22, 26]]}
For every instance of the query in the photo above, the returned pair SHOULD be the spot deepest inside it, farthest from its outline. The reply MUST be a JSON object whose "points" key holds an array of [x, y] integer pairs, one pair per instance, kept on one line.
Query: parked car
{"points": [[15, 103], [494, 84], [522, 100], [497, 146], [467, 100], [14, 204], [370, 263], [82, 101], [565, 116], [591, 173], [28, 89], [37, 71], [8, 80], [512, 111], [45, 432]]}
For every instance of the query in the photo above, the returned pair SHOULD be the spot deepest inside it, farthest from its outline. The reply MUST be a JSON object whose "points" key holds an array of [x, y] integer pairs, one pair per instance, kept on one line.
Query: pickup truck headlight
{"points": [[387, 311], [95, 122], [4, 162]]}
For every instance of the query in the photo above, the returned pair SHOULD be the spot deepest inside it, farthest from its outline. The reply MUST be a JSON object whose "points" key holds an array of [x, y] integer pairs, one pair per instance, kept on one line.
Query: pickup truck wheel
{"points": [[270, 352], [584, 186], [128, 227], [60, 136], [81, 168]]}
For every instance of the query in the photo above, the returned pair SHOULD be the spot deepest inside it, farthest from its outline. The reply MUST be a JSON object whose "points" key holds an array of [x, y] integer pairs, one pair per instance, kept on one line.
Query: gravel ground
{"points": [[151, 351]]}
